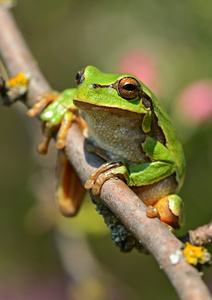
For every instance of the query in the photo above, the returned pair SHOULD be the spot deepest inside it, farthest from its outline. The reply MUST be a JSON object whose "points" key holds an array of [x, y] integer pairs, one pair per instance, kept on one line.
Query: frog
{"points": [[128, 127]]}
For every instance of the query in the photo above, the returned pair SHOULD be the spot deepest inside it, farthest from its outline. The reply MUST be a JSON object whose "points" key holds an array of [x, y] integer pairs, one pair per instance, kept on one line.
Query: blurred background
{"points": [[168, 45]]}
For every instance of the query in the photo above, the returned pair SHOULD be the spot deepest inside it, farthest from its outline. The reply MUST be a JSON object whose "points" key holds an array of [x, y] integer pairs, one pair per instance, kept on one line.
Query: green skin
{"points": [[163, 159]]}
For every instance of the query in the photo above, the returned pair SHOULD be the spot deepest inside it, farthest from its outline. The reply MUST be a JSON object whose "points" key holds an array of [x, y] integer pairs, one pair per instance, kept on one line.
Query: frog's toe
{"points": [[32, 112], [103, 173], [42, 148], [42, 102], [64, 126], [96, 188], [152, 212], [48, 131]]}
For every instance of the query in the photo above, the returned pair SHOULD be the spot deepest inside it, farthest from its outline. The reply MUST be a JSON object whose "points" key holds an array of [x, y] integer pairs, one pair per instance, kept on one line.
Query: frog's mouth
{"points": [[85, 105], [89, 106]]}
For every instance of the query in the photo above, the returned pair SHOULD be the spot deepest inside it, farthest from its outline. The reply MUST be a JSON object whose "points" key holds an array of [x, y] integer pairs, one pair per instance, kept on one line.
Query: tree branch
{"points": [[202, 236], [114, 193]]}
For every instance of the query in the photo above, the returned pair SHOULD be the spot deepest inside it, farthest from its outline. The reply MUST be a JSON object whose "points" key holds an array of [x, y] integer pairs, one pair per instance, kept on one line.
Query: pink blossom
{"points": [[195, 101]]}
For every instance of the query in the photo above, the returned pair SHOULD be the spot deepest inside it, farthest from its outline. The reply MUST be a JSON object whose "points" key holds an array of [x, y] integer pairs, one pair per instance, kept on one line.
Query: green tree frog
{"points": [[126, 125]]}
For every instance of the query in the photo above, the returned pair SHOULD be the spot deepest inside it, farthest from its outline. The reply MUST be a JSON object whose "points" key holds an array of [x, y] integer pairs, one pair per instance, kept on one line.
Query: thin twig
{"points": [[115, 194], [202, 236]]}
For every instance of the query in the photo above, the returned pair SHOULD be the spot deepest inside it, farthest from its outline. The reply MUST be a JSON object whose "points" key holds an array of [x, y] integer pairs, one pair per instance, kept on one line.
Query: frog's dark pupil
{"points": [[129, 87]]}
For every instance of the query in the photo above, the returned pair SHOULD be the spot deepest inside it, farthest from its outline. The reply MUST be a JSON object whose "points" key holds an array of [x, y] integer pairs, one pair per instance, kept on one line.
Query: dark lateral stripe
{"points": [[96, 86]]}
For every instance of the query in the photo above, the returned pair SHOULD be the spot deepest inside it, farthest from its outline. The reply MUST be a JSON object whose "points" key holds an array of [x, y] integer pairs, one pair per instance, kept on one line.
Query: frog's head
{"points": [[100, 90]]}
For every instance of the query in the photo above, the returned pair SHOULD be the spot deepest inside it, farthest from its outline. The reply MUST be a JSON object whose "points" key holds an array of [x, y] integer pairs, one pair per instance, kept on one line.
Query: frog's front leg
{"points": [[50, 128], [59, 114]]}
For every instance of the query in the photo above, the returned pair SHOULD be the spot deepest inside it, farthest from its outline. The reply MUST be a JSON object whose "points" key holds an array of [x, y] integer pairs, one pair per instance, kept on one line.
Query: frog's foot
{"points": [[49, 129], [153, 212], [169, 210], [42, 101], [59, 113], [103, 173]]}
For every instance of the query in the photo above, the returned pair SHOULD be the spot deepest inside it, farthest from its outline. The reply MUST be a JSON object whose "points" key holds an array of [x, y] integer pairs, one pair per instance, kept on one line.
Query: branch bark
{"points": [[114, 194]]}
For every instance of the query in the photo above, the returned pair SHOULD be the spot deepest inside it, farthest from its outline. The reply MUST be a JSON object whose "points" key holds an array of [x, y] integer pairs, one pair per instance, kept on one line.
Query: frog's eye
{"points": [[128, 88], [79, 77]]}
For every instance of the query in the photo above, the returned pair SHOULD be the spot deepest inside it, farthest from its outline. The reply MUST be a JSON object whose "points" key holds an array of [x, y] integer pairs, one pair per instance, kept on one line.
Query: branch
{"points": [[202, 236], [114, 193]]}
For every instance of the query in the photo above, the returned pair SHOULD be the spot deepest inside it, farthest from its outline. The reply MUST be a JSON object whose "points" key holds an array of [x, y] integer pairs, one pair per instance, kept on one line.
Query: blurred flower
{"points": [[195, 101], [142, 65]]}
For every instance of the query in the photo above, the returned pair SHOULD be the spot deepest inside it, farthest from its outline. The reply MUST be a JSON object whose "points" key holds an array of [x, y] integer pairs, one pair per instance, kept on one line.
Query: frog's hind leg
{"points": [[169, 210], [69, 190], [162, 202]]}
